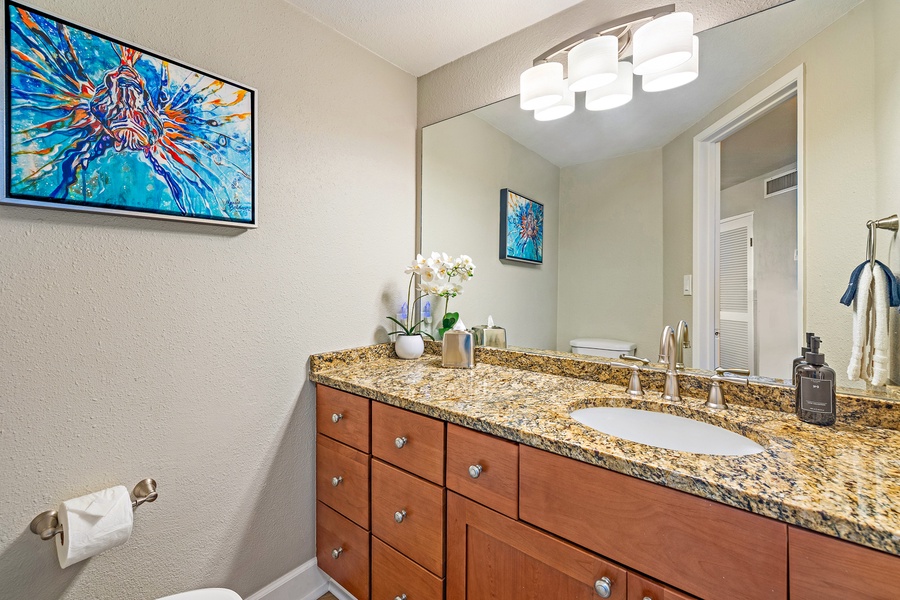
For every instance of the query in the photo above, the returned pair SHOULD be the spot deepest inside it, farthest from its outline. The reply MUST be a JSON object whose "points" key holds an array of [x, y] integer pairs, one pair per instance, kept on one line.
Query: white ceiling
{"points": [[731, 56], [421, 35]]}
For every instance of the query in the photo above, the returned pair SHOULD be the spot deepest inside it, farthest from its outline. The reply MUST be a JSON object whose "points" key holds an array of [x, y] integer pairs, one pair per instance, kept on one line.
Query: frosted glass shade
{"points": [[663, 43], [561, 109], [593, 63], [541, 86], [673, 78], [613, 94]]}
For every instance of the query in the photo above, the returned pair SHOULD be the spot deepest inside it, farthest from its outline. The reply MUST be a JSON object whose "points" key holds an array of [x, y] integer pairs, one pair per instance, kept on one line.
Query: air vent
{"points": [[782, 183]]}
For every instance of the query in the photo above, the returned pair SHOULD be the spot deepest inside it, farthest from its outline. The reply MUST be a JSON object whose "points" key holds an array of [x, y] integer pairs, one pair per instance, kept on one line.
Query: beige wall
{"points": [[610, 251], [467, 162], [135, 348], [775, 271], [840, 175]]}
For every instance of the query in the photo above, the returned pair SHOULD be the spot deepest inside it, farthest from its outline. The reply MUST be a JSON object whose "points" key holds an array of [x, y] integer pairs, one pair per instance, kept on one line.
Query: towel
{"points": [[869, 355], [893, 285]]}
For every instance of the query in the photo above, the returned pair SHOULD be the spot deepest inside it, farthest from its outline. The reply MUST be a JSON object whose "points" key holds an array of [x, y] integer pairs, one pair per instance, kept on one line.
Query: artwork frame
{"points": [[187, 137], [521, 228]]}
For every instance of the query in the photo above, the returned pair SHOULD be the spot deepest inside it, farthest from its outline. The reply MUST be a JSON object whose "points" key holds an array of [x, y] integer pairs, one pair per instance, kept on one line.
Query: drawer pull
{"points": [[399, 516], [475, 471], [400, 597], [336, 553], [647, 598], [336, 417], [400, 442], [336, 481], [603, 587]]}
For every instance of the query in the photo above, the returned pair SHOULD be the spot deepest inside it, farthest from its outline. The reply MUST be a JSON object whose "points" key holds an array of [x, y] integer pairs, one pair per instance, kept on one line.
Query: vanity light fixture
{"points": [[663, 45]]}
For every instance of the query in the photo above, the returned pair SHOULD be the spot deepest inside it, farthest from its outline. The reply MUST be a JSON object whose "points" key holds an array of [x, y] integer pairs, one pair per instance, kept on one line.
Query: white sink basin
{"points": [[663, 430]]}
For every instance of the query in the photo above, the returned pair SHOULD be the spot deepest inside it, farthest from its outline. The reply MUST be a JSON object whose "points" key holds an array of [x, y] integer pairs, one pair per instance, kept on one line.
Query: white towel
{"points": [[869, 356]]}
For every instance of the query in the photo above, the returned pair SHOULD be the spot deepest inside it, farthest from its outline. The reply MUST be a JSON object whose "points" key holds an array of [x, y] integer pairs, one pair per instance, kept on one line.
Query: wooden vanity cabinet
{"points": [[532, 525]]}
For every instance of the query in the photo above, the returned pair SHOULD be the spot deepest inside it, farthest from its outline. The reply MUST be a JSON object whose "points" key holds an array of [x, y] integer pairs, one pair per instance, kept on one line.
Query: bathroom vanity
{"points": [[438, 483]]}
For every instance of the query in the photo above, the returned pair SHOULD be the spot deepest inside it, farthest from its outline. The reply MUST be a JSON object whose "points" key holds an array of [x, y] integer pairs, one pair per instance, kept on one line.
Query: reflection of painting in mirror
{"points": [[521, 228], [619, 186]]}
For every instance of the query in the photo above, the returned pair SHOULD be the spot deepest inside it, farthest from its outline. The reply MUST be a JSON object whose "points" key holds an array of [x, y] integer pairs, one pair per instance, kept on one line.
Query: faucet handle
{"points": [[716, 398], [724, 373], [634, 383], [643, 361]]}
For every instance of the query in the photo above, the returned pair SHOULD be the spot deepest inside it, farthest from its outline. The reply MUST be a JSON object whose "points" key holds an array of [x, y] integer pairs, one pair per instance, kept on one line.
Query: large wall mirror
{"points": [[738, 203]]}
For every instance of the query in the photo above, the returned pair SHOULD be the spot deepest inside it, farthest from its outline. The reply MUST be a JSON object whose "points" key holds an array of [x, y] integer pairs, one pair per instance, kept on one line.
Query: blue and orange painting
{"points": [[521, 228], [97, 124]]}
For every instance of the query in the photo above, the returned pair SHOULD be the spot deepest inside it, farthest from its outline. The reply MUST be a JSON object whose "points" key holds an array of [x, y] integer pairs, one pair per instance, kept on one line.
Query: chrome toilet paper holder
{"points": [[47, 525]]}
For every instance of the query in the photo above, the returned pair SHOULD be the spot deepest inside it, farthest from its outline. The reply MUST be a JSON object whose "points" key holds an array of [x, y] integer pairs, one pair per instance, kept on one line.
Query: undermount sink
{"points": [[663, 430]]}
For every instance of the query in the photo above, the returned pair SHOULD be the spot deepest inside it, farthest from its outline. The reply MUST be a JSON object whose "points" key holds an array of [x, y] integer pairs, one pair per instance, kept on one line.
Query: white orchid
{"points": [[436, 273]]}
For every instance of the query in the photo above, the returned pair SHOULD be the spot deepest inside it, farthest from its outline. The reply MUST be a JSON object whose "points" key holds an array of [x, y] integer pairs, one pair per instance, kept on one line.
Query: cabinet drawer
{"points": [[484, 468], [825, 568], [343, 417], [395, 576], [342, 551], [342, 479], [705, 548], [408, 514], [410, 441], [641, 588]]}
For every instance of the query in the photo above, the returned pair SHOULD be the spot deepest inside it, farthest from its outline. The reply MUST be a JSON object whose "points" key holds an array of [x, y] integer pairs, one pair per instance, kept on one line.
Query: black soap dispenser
{"points": [[801, 360], [814, 391]]}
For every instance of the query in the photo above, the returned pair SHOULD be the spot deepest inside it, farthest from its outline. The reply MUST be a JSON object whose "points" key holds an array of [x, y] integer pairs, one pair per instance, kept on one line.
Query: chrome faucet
{"points": [[682, 341], [668, 341]]}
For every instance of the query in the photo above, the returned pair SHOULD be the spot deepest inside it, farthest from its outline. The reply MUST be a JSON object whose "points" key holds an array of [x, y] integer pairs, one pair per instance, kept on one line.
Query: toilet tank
{"points": [[603, 347]]}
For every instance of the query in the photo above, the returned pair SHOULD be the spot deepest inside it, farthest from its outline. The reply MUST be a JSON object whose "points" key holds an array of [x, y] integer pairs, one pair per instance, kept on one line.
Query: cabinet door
{"points": [[641, 588], [492, 556], [825, 568]]}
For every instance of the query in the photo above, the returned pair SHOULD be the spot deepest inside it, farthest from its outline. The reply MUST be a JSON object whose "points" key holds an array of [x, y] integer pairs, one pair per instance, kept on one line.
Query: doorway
{"points": [[748, 234]]}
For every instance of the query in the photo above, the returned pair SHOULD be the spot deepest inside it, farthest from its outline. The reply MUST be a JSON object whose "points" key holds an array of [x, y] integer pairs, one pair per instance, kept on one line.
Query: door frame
{"points": [[751, 298], [706, 217]]}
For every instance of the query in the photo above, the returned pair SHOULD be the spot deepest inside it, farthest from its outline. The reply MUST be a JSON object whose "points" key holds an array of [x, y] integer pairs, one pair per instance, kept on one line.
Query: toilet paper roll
{"points": [[93, 523]]}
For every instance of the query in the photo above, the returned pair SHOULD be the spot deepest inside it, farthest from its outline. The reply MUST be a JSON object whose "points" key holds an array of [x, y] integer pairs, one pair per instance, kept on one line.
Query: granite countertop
{"points": [[843, 481]]}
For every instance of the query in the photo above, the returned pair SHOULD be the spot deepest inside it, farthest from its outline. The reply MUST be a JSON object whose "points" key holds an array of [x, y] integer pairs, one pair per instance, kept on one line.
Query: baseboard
{"points": [[306, 582], [339, 592]]}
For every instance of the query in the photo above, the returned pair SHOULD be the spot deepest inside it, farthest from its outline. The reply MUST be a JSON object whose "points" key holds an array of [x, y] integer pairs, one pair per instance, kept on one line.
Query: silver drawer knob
{"points": [[399, 516], [336, 417], [603, 587], [336, 481], [475, 471], [400, 442], [647, 598], [400, 597], [336, 553]]}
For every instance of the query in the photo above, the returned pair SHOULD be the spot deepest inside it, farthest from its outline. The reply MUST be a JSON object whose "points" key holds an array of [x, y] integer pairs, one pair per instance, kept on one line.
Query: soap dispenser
{"points": [[801, 360], [815, 393]]}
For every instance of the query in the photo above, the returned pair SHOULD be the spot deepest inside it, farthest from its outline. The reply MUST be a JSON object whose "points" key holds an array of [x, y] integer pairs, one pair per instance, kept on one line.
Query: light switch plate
{"points": [[688, 285]]}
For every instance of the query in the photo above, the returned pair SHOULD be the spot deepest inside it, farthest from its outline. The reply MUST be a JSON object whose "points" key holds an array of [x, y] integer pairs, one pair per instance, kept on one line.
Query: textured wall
{"points": [[135, 348], [610, 251], [467, 163]]}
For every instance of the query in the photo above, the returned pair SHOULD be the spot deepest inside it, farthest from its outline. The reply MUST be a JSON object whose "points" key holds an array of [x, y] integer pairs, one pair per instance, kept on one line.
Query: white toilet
{"points": [[205, 594], [603, 347]]}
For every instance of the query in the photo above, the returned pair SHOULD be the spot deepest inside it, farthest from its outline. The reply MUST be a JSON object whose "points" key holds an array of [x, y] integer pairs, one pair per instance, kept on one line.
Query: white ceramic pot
{"points": [[409, 346]]}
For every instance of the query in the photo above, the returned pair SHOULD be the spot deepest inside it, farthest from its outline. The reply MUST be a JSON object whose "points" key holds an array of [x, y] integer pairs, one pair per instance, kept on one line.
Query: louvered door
{"points": [[735, 333]]}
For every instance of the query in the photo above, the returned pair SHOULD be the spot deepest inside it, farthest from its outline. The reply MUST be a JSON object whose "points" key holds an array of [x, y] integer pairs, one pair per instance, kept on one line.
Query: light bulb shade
{"points": [[541, 86], [561, 109], [663, 43], [613, 94], [673, 78], [593, 63]]}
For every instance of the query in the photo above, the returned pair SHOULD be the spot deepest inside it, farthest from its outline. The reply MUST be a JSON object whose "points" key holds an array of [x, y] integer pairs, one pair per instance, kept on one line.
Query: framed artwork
{"points": [[521, 228], [96, 124]]}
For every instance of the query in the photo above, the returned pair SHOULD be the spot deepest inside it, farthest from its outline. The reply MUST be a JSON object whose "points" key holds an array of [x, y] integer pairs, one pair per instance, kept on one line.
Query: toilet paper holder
{"points": [[47, 523]]}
